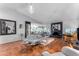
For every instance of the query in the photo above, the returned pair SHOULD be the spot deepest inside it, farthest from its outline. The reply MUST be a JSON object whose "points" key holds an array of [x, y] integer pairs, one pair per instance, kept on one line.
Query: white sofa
{"points": [[66, 51], [37, 38]]}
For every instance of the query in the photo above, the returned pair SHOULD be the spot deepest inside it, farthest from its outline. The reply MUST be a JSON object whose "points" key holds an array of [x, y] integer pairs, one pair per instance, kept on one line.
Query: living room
{"points": [[39, 29]]}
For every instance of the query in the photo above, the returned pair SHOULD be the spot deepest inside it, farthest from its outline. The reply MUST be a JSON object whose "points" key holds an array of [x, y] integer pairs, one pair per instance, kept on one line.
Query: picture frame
{"points": [[7, 27], [57, 29]]}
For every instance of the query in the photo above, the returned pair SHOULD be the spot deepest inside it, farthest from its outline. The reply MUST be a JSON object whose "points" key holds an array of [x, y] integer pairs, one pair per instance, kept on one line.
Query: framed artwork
{"points": [[56, 29], [7, 27]]}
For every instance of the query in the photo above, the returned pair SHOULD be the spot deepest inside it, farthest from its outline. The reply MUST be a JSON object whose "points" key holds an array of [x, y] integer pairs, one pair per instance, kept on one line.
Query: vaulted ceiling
{"points": [[45, 12]]}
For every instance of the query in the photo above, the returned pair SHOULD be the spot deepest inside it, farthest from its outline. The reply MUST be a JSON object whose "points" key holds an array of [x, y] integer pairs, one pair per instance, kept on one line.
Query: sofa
{"points": [[34, 39], [66, 51]]}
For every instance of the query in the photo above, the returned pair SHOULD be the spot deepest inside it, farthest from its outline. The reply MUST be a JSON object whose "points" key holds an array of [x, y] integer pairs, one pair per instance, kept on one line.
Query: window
{"points": [[39, 29]]}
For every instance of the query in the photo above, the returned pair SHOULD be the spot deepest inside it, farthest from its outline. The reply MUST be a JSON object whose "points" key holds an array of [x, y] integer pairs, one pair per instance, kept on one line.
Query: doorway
{"points": [[27, 28]]}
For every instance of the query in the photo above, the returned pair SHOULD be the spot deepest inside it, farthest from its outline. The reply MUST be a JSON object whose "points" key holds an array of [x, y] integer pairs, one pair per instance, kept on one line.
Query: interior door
{"points": [[27, 28]]}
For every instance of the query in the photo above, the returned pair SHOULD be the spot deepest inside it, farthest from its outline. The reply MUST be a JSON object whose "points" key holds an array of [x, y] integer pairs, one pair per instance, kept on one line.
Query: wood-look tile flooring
{"points": [[19, 49]]}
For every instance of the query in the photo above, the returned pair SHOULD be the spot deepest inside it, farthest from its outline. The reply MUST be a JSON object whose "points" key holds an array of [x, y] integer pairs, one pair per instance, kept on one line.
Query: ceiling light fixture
{"points": [[31, 9]]}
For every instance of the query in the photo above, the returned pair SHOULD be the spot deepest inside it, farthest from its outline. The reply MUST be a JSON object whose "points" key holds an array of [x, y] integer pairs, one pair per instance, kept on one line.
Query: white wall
{"points": [[12, 15]]}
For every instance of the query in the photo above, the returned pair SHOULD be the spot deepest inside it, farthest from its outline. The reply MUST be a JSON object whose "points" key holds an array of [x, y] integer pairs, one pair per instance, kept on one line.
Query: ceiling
{"points": [[45, 12]]}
